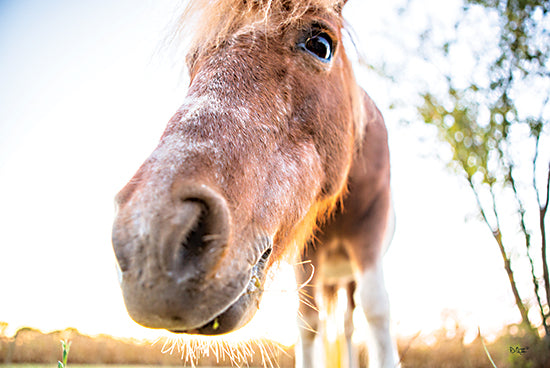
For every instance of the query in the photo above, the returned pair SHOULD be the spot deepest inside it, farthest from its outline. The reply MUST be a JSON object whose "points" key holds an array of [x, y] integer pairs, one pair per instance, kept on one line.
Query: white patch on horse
{"points": [[375, 303]]}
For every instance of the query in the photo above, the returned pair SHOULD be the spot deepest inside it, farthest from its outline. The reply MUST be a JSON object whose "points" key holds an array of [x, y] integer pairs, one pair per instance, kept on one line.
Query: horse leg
{"points": [[333, 342], [353, 358], [308, 319], [308, 323], [375, 302]]}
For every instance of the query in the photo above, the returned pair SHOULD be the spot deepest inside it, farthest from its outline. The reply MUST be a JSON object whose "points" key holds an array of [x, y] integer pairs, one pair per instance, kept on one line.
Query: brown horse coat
{"points": [[273, 138]]}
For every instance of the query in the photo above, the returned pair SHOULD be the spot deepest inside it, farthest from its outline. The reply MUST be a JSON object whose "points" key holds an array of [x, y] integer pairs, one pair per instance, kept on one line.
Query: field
{"points": [[446, 349], [42, 365]]}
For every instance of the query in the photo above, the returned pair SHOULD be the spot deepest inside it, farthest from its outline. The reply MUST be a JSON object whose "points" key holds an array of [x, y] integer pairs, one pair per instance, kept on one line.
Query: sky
{"points": [[86, 91]]}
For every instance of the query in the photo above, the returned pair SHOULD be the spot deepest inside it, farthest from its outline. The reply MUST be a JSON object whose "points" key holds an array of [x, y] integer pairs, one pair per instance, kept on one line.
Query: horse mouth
{"points": [[241, 311]]}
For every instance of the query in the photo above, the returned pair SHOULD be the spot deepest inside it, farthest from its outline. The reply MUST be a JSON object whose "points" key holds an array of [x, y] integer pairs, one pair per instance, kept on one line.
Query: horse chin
{"points": [[233, 318], [240, 312]]}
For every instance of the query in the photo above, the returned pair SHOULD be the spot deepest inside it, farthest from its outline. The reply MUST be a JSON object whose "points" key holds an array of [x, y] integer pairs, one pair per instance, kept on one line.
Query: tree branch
{"points": [[527, 237], [497, 235], [542, 214]]}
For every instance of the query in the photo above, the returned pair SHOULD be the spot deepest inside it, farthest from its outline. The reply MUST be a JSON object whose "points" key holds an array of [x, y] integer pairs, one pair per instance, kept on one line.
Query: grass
{"points": [[31, 365], [486, 350], [514, 348], [66, 345]]}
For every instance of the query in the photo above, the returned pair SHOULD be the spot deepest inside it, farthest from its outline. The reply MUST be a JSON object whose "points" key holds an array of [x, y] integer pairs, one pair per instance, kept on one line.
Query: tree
{"points": [[499, 138]]}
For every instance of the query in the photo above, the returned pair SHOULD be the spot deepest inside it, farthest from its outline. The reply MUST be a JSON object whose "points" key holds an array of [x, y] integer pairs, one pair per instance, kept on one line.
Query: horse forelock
{"points": [[209, 22]]}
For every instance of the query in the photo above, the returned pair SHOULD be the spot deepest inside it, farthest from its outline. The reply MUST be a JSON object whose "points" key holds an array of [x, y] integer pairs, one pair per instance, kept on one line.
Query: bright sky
{"points": [[83, 101]]}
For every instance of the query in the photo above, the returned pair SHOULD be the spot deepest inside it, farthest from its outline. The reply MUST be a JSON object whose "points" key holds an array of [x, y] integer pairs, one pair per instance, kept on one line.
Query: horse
{"points": [[275, 154]]}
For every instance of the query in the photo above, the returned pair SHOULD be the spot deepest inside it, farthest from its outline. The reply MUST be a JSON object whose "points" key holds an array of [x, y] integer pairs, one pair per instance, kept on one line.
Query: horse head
{"points": [[259, 150]]}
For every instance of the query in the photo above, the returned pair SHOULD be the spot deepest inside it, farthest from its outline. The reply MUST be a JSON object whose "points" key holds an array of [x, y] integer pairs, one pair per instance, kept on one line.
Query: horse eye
{"points": [[320, 45]]}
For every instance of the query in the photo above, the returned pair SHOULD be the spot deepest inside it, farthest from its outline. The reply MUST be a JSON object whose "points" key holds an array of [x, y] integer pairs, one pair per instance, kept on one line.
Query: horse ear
{"points": [[340, 5]]}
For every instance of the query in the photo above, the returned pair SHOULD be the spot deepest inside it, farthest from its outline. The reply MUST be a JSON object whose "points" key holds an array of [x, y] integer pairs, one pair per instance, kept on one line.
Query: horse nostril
{"points": [[190, 244], [198, 233], [194, 240]]}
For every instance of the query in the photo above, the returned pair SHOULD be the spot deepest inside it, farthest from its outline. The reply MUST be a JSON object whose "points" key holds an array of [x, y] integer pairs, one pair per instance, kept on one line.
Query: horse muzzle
{"points": [[182, 268]]}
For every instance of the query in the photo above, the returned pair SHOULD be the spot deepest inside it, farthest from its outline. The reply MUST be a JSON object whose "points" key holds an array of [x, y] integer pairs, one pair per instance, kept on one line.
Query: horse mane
{"points": [[210, 22]]}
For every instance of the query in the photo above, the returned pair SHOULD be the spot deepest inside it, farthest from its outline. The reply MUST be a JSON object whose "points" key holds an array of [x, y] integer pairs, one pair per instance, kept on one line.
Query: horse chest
{"points": [[335, 266]]}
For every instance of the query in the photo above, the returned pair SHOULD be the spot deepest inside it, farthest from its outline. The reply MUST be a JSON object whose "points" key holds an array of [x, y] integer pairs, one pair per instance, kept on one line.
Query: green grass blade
{"points": [[66, 346], [485, 348]]}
